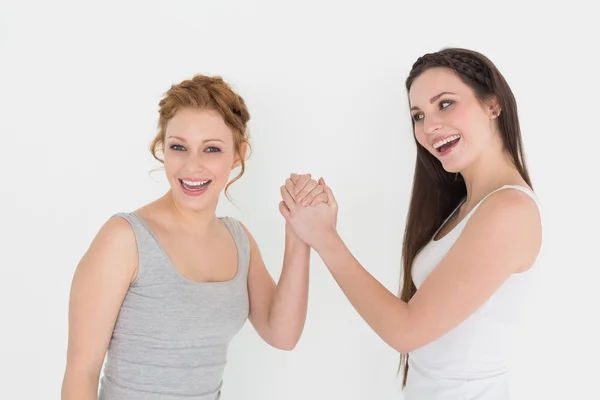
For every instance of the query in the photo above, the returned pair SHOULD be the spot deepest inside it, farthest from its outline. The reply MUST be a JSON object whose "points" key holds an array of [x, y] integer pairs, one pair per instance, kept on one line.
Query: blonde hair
{"points": [[205, 93]]}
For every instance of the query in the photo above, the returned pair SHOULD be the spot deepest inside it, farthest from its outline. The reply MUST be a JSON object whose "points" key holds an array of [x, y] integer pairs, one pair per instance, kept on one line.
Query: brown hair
{"points": [[206, 93], [435, 192]]}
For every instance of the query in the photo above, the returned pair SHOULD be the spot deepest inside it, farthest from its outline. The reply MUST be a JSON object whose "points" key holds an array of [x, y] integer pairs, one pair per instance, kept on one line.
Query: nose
{"points": [[195, 161], [431, 125]]}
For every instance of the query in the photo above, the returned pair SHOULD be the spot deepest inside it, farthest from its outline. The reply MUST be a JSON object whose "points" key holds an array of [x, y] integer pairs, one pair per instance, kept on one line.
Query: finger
{"points": [[287, 198], [330, 197], [310, 186], [318, 189], [319, 199], [284, 210], [301, 183], [294, 178], [289, 185]]}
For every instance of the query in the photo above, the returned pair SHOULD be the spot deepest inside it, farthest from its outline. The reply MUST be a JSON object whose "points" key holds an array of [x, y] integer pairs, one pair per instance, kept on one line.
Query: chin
{"points": [[453, 167]]}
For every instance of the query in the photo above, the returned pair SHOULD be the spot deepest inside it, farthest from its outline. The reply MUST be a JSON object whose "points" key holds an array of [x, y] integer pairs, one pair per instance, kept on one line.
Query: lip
{"points": [[195, 179], [442, 137], [196, 192], [447, 150]]}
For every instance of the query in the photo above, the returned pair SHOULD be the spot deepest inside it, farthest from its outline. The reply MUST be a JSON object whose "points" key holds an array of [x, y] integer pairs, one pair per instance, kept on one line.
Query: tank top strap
{"points": [[242, 242], [153, 262], [143, 235], [523, 189], [136, 223]]}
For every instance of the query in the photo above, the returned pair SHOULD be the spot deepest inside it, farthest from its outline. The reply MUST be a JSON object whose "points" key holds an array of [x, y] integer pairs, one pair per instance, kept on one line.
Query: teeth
{"points": [[447, 140], [195, 183]]}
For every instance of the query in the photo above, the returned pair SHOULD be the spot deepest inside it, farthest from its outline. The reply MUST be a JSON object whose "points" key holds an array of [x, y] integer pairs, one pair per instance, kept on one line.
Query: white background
{"points": [[324, 81]]}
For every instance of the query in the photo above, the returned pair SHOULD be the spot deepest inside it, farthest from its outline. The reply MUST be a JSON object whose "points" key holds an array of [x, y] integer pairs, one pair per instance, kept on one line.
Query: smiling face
{"points": [[449, 121], [199, 154]]}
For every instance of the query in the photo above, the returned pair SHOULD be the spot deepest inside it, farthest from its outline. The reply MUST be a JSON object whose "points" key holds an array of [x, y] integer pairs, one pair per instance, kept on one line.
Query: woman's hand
{"points": [[311, 223], [306, 191]]}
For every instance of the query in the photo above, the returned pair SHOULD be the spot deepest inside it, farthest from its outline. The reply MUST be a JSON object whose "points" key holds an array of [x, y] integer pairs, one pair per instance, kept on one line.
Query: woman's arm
{"points": [[278, 312], [99, 286], [502, 237]]}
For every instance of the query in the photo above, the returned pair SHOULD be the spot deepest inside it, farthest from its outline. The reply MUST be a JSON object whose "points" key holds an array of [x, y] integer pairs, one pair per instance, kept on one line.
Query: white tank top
{"points": [[471, 361]]}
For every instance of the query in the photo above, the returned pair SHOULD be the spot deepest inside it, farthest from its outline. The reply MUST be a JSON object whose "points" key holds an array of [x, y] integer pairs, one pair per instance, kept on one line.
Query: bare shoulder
{"points": [[509, 219], [507, 206], [114, 248]]}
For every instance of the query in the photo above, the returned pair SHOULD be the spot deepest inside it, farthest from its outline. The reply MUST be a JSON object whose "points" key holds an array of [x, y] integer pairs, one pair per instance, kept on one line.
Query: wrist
{"points": [[328, 240], [293, 240]]}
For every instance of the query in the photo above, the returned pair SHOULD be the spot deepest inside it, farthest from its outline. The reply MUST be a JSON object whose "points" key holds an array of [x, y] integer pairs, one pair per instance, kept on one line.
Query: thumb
{"points": [[330, 196]]}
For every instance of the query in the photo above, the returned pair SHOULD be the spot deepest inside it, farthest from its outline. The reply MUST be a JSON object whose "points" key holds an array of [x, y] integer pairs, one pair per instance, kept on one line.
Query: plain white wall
{"points": [[324, 82]]}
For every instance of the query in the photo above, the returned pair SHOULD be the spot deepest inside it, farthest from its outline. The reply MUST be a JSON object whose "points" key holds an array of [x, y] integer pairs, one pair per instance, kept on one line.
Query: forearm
{"points": [[288, 308], [385, 313], [79, 386]]}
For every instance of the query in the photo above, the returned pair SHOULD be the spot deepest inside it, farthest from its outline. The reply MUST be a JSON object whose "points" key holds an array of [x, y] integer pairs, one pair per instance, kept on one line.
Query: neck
{"points": [[489, 172], [198, 222]]}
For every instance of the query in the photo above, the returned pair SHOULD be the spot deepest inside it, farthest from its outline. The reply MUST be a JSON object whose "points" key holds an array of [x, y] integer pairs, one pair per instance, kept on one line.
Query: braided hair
{"points": [[462, 61]]}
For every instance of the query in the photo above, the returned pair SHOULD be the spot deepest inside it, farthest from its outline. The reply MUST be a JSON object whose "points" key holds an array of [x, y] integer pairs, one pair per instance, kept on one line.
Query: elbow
{"points": [[285, 344], [403, 348], [404, 344], [286, 347], [408, 344], [285, 341]]}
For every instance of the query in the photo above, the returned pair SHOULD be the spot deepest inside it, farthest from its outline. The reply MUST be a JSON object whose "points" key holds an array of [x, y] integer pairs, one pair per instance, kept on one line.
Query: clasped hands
{"points": [[309, 207]]}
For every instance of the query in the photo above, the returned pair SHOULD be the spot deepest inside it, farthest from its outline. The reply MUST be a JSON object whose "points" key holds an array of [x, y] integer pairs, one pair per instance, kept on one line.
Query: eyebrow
{"points": [[183, 140], [434, 98]]}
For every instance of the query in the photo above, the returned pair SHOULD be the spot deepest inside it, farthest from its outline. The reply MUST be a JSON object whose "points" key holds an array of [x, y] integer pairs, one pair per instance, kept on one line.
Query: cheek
{"points": [[420, 135], [219, 163], [172, 162], [468, 119]]}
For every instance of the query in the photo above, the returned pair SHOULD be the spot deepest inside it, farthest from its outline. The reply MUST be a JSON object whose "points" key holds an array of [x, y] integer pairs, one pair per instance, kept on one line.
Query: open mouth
{"points": [[444, 146], [194, 187]]}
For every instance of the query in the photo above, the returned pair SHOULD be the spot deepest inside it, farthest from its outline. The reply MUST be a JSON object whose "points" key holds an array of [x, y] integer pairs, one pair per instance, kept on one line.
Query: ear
{"points": [[493, 108], [237, 160]]}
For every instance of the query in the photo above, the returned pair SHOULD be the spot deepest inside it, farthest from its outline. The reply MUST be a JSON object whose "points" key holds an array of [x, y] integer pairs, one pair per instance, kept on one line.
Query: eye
{"points": [[212, 149], [177, 147], [445, 104], [417, 117]]}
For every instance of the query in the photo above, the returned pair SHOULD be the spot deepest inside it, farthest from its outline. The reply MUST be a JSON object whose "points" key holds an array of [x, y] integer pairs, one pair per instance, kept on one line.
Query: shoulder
{"points": [[117, 231], [509, 206], [247, 238], [240, 230], [232, 222], [114, 248], [507, 222]]}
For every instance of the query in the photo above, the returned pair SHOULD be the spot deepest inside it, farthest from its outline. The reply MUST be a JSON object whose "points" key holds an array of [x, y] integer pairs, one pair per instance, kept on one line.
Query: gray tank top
{"points": [[172, 334]]}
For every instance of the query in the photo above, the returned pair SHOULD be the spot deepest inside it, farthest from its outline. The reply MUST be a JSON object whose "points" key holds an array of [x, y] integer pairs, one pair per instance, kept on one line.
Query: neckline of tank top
{"points": [[466, 217], [174, 269]]}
